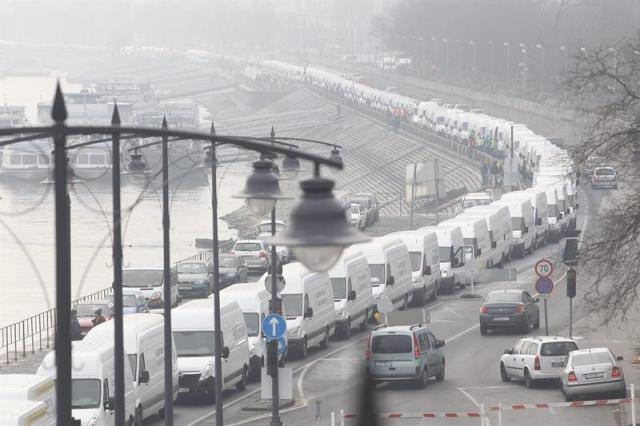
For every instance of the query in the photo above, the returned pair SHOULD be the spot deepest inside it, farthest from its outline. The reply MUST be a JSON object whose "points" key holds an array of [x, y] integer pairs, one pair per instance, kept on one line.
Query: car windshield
{"points": [[376, 270], [503, 297], [142, 277], [252, 320], [247, 247], [85, 393], [415, 257], [339, 288], [557, 348], [194, 343], [89, 309], [391, 344], [292, 304], [227, 261], [605, 172], [192, 268], [590, 358]]}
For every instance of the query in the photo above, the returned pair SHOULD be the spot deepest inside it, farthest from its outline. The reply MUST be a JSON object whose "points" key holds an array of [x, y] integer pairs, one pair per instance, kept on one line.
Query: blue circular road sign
{"points": [[282, 345], [544, 285], [273, 327]]}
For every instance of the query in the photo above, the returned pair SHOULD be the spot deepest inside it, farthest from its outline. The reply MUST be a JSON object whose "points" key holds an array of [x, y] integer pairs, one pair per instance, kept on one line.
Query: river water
{"points": [[27, 233]]}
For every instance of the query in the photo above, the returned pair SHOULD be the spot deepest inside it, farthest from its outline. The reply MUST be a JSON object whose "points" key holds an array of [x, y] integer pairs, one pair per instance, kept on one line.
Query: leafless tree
{"points": [[606, 85]]}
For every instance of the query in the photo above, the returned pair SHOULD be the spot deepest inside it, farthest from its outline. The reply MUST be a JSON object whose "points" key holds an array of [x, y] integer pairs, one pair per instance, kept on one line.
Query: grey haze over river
{"points": [[27, 222]]}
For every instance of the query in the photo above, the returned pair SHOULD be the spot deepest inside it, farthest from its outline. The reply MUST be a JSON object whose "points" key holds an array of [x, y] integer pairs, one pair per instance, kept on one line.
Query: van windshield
{"points": [[194, 343], [142, 277], [517, 223], [85, 393], [445, 253], [292, 304], [252, 320], [376, 270], [552, 210], [415, 257], [339, 288], [391, 344]]}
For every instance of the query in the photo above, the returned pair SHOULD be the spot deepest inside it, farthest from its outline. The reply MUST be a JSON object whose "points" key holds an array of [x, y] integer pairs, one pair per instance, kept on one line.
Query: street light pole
{"points": [[166, 247], [473, 60], [446, 56], [539, 46], [524, 69], [275, 395], [63, 263], [506, 79]]}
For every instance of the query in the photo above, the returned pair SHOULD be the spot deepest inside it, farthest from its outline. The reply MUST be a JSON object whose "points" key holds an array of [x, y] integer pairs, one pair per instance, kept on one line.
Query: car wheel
{"points": [[242, 384], [440, 376], [483, 330], [526, 327], [423, 380], [503, 373], [528, 381], [363, 324]]}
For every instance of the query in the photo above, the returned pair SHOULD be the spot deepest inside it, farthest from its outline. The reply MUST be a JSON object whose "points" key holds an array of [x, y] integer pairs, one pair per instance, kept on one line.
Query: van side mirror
{"points": [[308, 313], [494, 244], [577, 206], [109, 403], [478, 252], [526, 229], [391, 280], [456, 262], [143, 377], [619, 358], [426, 270], [561, 215], [507, 351], [224, 352], [536, 300], [538, 221], [352, 295]]}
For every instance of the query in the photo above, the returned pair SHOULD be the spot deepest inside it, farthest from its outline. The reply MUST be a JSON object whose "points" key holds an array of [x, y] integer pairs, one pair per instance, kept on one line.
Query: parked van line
{"points": [[390, 270], [499, 225], [425, 263], [538, 199], [522, 223], [453, 271], [144, 344], [93, 382], [309, 304], [194, 335], [30, 387], [555, 223], [352, 293]]}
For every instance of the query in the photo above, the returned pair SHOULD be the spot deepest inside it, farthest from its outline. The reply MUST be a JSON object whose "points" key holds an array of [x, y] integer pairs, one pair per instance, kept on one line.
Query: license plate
{"points": [[557, 364], [594, 375], [183, 390], [184, 287], [501, 318], [383, 364]]}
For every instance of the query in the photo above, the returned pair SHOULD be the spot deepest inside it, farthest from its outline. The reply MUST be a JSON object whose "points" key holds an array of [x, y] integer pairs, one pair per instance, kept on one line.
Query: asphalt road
{"points": [[329, 380]]}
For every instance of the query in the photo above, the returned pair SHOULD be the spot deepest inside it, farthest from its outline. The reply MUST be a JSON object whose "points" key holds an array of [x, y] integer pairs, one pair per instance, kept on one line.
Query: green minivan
{"points": [[405, 353]]}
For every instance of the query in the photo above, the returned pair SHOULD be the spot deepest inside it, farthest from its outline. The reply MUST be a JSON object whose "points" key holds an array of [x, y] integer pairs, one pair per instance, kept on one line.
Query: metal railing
{"points": [[35, 332]]}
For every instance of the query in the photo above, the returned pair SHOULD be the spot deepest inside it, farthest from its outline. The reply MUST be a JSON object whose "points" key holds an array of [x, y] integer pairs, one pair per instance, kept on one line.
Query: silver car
{"points": [[604, 177], [592, 371], [255, 254]]}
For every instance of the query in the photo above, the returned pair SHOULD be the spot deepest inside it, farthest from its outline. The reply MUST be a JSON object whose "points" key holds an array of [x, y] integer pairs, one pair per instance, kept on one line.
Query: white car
{"points": [[264, 231], [536, 358]]}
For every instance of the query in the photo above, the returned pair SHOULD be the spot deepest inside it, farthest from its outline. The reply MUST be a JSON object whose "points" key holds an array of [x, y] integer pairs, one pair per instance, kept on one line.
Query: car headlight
{"points": [[206, 372], [93, 421], [156, 295], [443, 274]]}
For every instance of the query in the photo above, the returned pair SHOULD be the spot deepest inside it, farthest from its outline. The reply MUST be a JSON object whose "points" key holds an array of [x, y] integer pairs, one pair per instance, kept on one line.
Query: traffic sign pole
{"points": [[546, 319], [275, 397]]}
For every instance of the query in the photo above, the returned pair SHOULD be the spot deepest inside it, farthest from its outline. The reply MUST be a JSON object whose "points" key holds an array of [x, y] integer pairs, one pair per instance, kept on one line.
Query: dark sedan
{"points": [[233, 269], [193, 279], [509, 309]]}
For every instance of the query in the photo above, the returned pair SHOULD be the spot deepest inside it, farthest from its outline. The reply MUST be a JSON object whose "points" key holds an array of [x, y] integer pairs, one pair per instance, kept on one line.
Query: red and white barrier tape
{"points": [[477, 414]]}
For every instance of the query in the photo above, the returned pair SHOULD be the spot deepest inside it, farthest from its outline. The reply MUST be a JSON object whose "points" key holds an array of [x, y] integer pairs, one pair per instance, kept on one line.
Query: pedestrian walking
{"points": [[75, 332], [99, 318]]}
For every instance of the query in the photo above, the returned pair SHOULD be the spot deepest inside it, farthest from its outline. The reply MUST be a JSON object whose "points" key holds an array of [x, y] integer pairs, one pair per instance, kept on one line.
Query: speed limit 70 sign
{"points": [[544, 268]]}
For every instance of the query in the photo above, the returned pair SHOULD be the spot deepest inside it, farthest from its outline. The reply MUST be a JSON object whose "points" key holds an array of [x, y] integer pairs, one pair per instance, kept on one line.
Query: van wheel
{"points": [[325, 342], [363, 324], [304, 350], [346, 333], [138, 419], [404, 304], [434, 294], [161, 413], [242, 384]]}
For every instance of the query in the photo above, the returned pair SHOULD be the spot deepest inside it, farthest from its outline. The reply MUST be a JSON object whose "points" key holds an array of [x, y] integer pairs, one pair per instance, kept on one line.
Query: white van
{"points": [[144, 344], [453, 271], [473, 199], [307, 299], [538, 199], [477, 242], [30, 387], [390, 270], [352, 295], [499, 225], [562, 210], [555, 219], [253, 300], [550, 175], [425, 263], [522, 222], [24, 413], [93, 382], [194, 337], [150, 281]]}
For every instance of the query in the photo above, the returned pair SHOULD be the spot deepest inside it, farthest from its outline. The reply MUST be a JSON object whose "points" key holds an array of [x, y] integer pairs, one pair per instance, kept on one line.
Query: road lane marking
{"points": [[477, 404], [462, 333]]}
